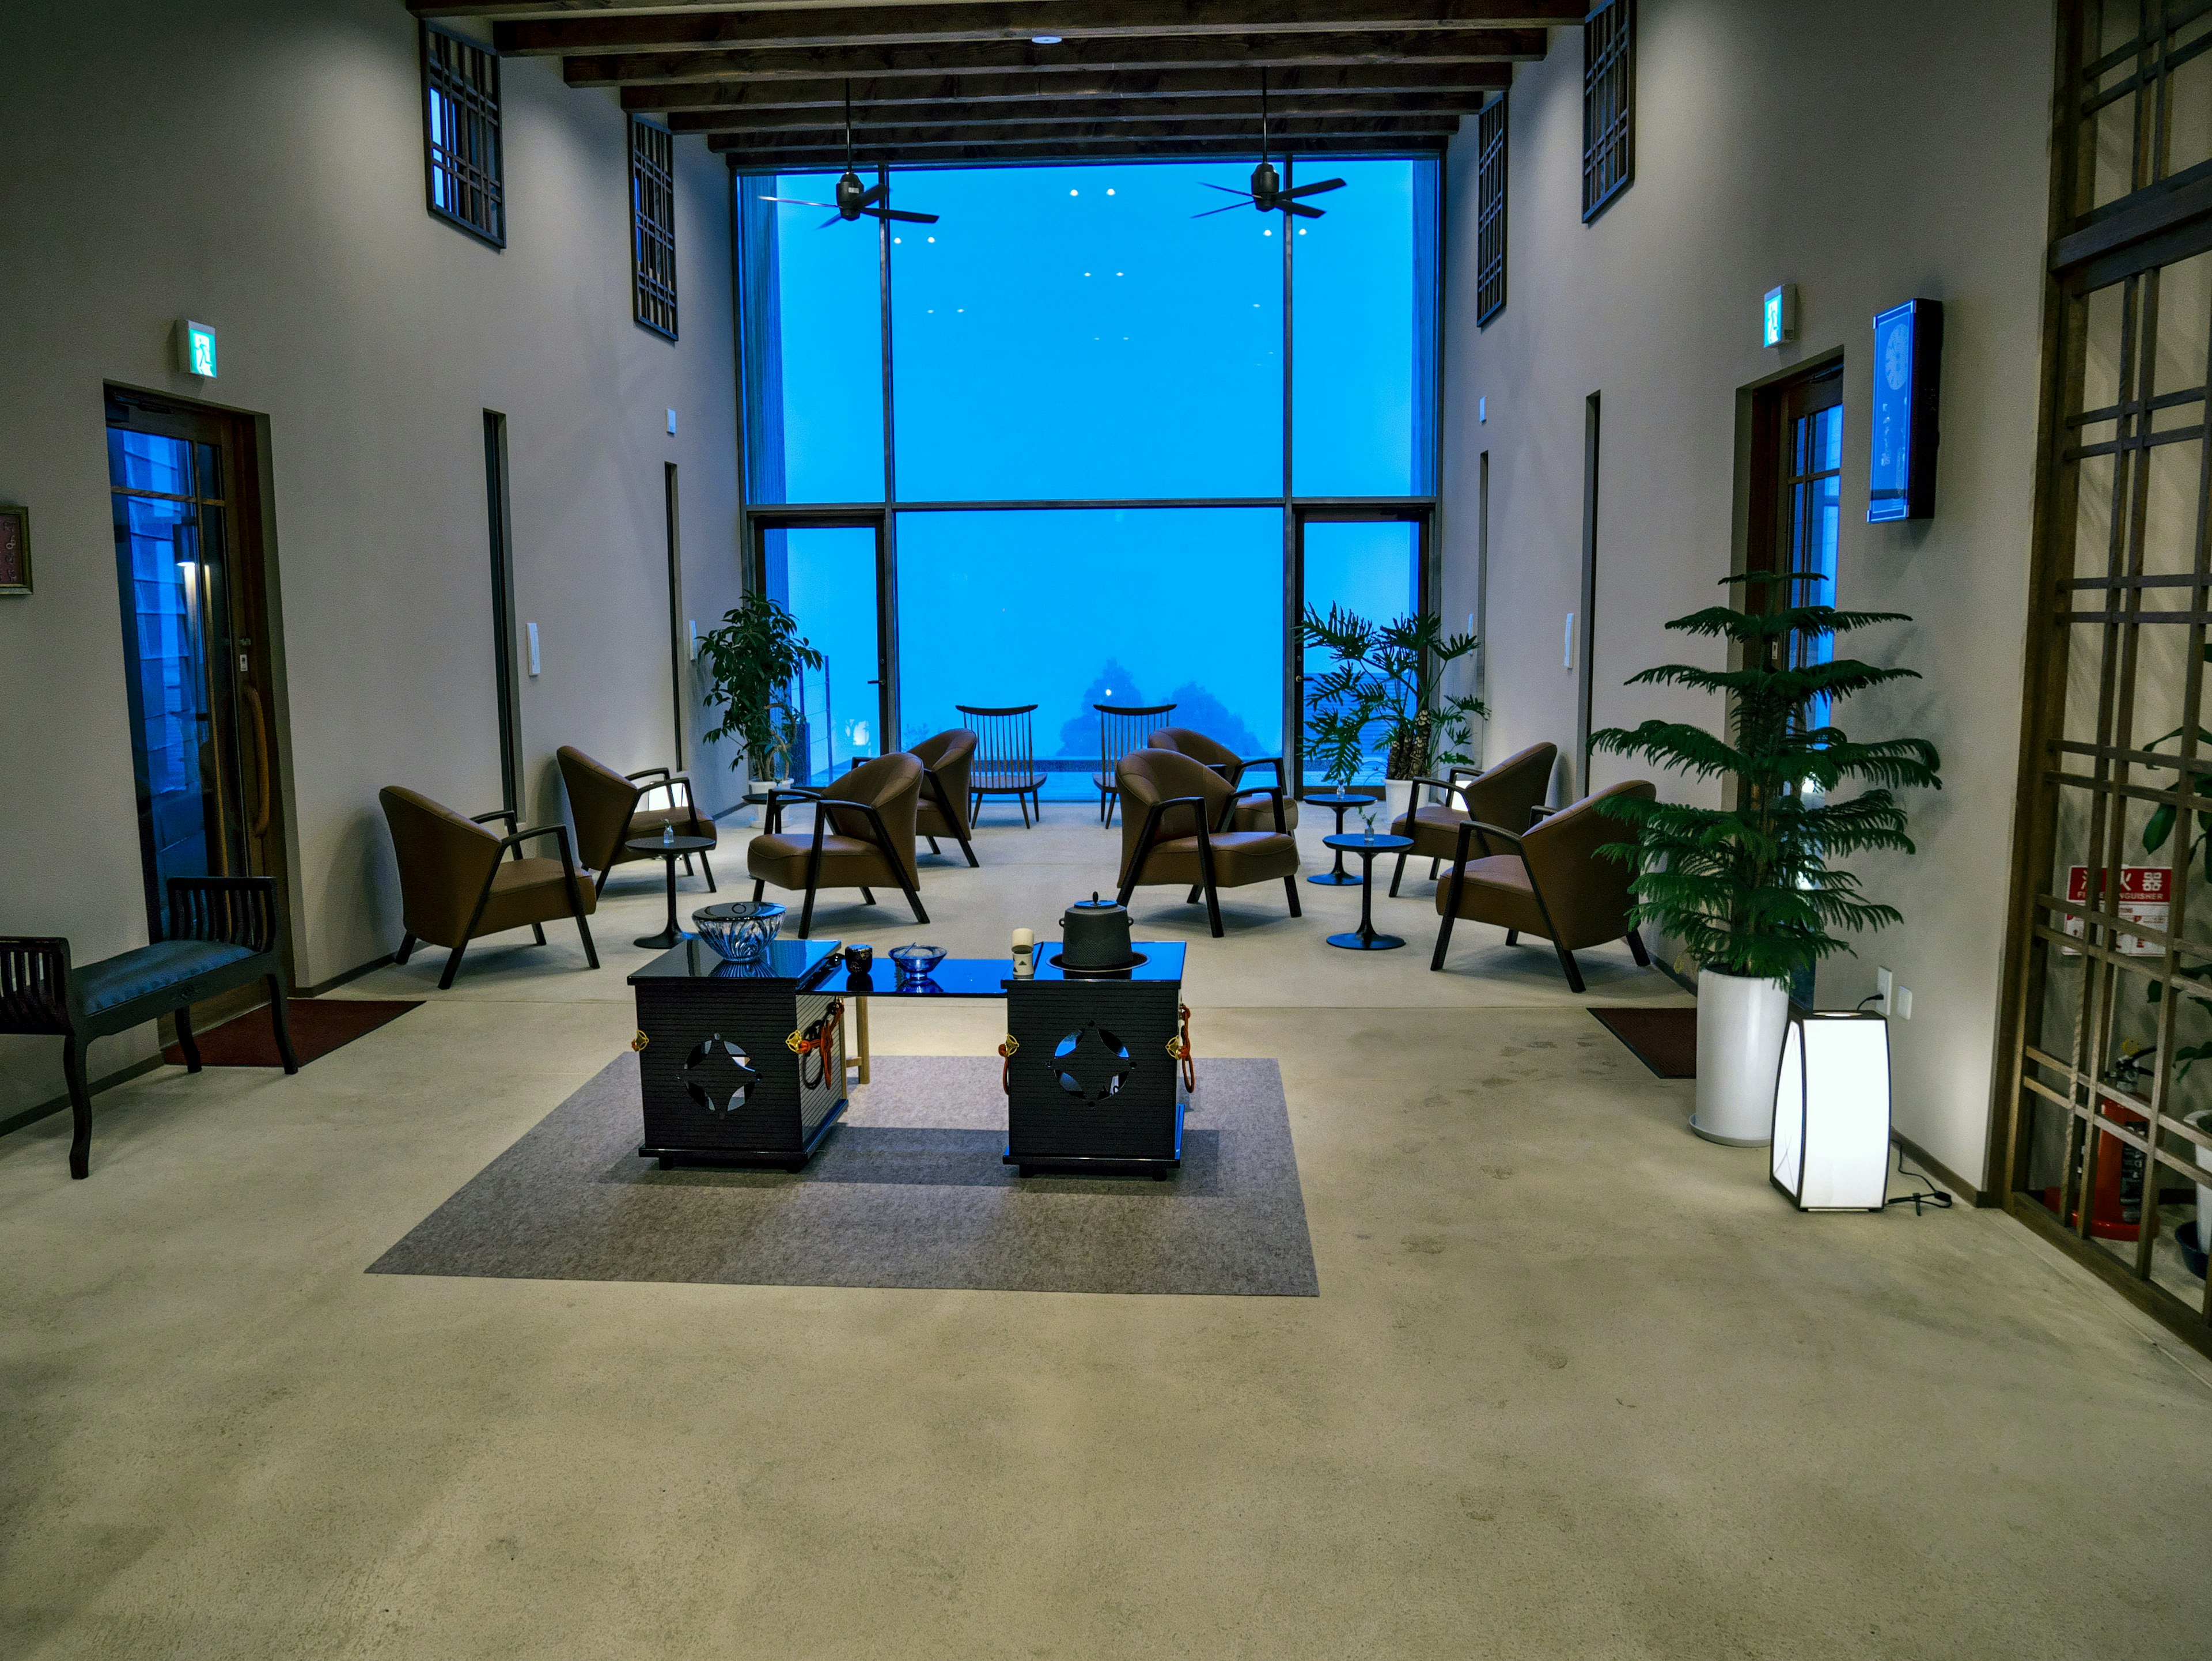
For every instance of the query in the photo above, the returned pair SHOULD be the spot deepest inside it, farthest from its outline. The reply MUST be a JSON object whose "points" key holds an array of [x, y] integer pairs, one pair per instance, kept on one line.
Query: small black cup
{"points": [[857, 959]]}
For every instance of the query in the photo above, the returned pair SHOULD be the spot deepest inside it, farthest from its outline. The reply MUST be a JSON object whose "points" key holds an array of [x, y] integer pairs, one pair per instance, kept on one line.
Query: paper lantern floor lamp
{"points": [[1831, 1112]]}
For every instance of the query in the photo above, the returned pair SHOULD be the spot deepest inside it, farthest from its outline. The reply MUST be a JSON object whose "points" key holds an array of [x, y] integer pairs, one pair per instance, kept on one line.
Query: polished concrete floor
{"points": [[1576, 1384]]}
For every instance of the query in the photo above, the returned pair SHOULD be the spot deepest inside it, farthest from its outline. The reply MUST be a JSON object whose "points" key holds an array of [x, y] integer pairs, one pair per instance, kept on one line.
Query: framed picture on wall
{"points": [[14, 549]]}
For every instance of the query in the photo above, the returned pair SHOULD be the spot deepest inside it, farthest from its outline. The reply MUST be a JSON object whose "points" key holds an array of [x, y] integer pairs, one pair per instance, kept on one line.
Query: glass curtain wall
{"points": [[1086, 415]]}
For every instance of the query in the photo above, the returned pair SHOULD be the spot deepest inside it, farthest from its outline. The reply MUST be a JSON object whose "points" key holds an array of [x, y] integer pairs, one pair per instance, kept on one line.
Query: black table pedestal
{"points": [[1365, 938], [1336, 876], [672, 852]]}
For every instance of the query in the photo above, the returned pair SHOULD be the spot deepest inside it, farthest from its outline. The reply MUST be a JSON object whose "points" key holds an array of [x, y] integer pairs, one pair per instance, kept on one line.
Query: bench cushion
{"points": [[128, 975]]}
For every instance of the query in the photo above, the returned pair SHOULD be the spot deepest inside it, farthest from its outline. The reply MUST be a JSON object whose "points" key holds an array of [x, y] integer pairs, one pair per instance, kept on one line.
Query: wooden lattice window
{"points": [[652, 226], [1608, 104], [1489, 212], [460, 134], [2142, 98]]}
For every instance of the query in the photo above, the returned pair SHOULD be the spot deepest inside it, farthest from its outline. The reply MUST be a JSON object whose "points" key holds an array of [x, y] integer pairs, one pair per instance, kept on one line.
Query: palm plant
{"points": [[751, 660], [1388, 677], [1749, 889]]}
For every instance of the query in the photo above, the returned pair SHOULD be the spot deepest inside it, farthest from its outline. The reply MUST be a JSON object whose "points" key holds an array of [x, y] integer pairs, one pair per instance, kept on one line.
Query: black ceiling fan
{"points": [[1268, 194], [854, 198]]}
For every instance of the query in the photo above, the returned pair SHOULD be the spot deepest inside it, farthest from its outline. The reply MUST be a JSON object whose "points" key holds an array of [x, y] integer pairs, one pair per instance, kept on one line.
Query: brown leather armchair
{"points": [[1506, 794], [455, 887], [1251, 815], [1185, 811], [947, 761], [863, 835], [1554, 883], [604, 804]]}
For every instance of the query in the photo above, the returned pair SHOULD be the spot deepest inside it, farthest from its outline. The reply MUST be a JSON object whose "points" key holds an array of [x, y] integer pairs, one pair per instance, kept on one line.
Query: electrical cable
{"points": [[1930, 1196]]}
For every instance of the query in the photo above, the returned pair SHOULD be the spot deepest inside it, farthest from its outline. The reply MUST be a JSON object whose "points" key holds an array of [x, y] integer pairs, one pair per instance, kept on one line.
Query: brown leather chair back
{"points": [[1148, 777], [1185, 741], [892, 786], [1504, 794], [444, 861], [1585, 892], [600, 801], [951, 757]]}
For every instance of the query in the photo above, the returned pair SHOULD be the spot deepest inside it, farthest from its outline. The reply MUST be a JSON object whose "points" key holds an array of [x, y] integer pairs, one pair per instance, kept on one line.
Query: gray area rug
{"points": [[908, 1191]]}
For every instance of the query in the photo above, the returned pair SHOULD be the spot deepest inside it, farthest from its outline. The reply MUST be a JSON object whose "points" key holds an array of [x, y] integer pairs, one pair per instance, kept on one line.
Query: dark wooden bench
{"points": [[223, 933]]}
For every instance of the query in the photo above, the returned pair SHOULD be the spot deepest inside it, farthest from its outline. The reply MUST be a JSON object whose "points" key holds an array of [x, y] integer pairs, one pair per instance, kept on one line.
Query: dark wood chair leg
{"points": [[1567, 962], [1443, 940], [1291, 887], [759, 889], [453, 966], [968, 848], [687, 864], [912, 894], [280, 1021], [80, 1108], [406, 949], [868, 895], [538, 932], [1191, 898], [708, 871], [1513, 937], [933, 848], [1435, 866], [1023, 797], [1213, 910], [584, 933], [1396, 872], [185, 1041], [807, 911], [1635, 950]]}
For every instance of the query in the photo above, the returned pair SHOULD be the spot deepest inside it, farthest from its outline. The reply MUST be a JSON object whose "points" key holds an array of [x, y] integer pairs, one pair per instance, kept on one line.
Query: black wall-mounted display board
{"points": [[1908, 360]]}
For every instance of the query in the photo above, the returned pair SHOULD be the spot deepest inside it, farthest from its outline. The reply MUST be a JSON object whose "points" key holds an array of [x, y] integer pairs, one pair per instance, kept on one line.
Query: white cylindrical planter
{"points": [[1741, 1026]]}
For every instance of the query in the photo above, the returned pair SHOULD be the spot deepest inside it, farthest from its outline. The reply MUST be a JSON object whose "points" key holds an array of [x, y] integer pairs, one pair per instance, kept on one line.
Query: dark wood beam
{"points": [[1244, 112], [750, 158], [903, 142], [1236, 54], [700, 29], [1293, 87]]}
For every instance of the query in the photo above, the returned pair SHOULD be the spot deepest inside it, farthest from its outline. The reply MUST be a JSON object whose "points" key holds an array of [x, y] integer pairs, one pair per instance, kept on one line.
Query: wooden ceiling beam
{"points": [[1245, 54], [703, 28], [1293, 87], [1244, 112], [750, 158], [900, 142]]}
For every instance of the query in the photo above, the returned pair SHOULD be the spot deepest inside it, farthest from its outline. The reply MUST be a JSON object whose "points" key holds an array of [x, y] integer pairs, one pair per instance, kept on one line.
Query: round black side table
{"points": [[1337, 876], [671, 851], [1365, 938]]}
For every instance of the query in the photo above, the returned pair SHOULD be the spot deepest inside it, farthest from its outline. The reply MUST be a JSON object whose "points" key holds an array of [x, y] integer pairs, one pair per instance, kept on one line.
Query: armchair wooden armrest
{"points": [[1274, 792]]}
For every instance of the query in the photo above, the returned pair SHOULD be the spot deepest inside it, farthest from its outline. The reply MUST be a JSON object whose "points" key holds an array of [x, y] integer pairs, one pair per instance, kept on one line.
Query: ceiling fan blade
{"points": [[1316, 190], [1210, 212], [1303, 212], [1212, 186], [834, 219], [874, 194], [901, 213], [798, 201]]}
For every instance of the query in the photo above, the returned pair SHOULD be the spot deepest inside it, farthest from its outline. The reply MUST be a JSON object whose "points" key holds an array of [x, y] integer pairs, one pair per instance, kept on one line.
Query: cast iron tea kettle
{"points": [[1094, 934]]}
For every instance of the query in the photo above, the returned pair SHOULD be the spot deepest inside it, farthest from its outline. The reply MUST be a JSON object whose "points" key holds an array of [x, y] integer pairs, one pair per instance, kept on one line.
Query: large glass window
{"points": [[1083, 409], [1065, 608]]}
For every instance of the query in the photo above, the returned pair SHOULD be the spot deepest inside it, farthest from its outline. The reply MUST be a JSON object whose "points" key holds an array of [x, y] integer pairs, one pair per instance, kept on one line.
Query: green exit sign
{"points": [[195, 348]]}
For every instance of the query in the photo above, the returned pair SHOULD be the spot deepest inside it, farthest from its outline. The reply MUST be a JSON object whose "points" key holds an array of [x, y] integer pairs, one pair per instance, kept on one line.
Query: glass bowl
{"points": [[915, 961], [740, 930]]}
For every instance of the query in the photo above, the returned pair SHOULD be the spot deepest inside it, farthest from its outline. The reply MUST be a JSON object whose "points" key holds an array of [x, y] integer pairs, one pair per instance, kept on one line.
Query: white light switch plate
{"points": [[532, 628], [1905, 1003]]}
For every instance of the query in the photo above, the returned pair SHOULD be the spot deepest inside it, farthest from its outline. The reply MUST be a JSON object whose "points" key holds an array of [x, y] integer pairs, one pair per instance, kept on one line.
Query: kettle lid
{"points": [[1094, 904]]}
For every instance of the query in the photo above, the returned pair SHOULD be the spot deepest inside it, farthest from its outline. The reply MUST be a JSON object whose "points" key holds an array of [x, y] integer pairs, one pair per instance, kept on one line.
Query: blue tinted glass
{"points": [[1364, 330], [826, 578], [1073, 333], [1070, 608], [812, 346], [1371, 569]]}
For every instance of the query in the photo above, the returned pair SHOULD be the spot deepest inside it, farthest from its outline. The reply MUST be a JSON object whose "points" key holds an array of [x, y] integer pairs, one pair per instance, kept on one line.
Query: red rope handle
{"points": [[1006, 1063], [1179, 1046], [819, 1042]]}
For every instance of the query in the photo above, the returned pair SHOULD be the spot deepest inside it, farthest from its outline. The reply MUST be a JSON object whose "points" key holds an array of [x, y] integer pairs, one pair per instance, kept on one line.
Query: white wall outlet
{"points": [[672, 423], [1881, 984], [1905, 1003], [533, 629]]}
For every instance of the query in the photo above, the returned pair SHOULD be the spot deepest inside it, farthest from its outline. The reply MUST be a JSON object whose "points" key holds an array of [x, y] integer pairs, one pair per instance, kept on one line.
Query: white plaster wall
{"points": [[1870, 151], [257, 165]]}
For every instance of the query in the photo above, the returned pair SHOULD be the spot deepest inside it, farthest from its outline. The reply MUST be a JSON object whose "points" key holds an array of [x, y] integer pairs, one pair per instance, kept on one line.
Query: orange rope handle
{"points": [[1006, 1063], [1179, 1046], [817, 1040]]}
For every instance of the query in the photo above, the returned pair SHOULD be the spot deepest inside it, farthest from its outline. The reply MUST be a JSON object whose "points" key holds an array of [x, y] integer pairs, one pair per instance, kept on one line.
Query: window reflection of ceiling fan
{"points": [[1268, 194], [854, 198]]}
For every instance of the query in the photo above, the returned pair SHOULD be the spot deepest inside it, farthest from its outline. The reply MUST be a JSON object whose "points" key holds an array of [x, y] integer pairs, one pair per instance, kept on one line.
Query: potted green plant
{"points": [[751, 661], [1384, 690], [1749, 889]]}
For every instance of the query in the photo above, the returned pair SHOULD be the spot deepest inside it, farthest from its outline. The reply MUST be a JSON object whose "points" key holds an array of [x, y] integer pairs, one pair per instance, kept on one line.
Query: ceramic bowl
{"points": [[740, 930], [915, 961]]}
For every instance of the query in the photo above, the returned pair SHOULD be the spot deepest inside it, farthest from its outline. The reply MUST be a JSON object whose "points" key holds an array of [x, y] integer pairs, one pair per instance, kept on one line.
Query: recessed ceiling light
{"points": [[1110, 189], [1044, 39], [1269, 232], [1075, 192], [933, 239]]}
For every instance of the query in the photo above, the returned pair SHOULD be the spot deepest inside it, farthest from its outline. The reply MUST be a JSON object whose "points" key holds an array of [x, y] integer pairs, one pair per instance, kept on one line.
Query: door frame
{"points": [[1420, 512], [761, 520]]}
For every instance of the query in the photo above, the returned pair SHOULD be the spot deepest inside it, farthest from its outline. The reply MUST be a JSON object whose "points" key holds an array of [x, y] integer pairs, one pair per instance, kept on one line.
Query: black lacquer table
{"points": [[1365, 938], [671, 851]]}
